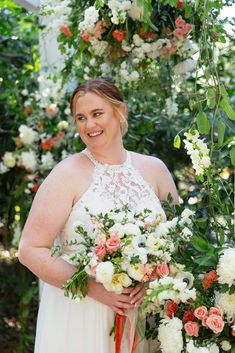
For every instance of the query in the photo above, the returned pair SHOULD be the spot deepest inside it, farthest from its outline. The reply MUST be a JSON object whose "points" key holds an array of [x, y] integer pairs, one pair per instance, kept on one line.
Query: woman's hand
{"points": [[130, 297], [137, 294]]}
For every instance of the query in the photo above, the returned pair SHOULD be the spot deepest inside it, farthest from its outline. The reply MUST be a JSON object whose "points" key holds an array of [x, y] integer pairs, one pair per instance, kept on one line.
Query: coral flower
{"points": [[85, 36], [65, 29], [35, 187], [171, 308], [47, 145], [180, 4], [188, 316], [146, 35], [119, 35], [209, 279]]}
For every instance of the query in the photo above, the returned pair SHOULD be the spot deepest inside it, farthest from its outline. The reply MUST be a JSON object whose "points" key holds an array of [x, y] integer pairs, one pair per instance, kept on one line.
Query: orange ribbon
{"points": [[132, 339]]}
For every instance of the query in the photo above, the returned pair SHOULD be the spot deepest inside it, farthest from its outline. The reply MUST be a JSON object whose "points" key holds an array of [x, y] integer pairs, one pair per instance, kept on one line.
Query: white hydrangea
{"points": [[226, 267], [185, 66], [91, 16], [29, 160], [192, 349], [27, 135], [47, 161], [227, 303], [170, 335], [9, 159]]}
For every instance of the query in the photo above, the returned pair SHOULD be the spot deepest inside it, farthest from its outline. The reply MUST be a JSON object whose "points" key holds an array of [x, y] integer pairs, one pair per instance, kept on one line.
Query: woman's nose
{"points": [[90, 124]]}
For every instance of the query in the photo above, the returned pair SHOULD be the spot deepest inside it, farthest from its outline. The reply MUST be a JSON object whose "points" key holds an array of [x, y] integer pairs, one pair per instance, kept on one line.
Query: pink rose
{"points": [[178, 32], [187, 28], [192, 328], [113, 243], [162, 270], [179, 22], [100, 251], [215, 323], [216, 310], [201, 312]]}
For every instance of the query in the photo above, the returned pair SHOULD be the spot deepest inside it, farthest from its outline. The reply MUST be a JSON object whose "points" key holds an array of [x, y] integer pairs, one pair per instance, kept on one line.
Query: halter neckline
{"points": [[94, 160]]}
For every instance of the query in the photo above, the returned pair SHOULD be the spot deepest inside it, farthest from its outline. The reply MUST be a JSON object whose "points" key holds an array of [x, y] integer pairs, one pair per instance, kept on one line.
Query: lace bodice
{"points": [[112, 186]]}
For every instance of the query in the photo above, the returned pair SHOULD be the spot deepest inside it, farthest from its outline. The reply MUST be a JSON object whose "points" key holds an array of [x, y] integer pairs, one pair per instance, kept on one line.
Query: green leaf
{"points": [[221, 131], [225, 105], [233, 349], [200, 244], [232, 155], [211, 97], [203, 123], [177, 141]]}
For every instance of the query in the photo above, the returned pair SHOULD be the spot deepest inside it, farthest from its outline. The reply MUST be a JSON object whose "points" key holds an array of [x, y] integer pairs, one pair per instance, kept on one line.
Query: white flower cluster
{"points": [[198, 151], [191, 348], [119, 10], [29, 160], [170, 335], [126, 75], [58, 13], [27, 135], [98, 46], [227, 303], [171, 107], [226, 267], [47, 161], [168, 288], [91, 16]]}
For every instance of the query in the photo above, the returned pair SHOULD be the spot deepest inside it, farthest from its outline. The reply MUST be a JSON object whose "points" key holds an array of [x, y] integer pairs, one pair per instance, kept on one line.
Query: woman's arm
{"points": [[165, 184], [49, 212]]}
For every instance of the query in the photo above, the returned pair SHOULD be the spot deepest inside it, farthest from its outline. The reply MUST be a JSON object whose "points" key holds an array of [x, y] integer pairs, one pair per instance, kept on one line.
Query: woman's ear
{"points": [[123, 109]]}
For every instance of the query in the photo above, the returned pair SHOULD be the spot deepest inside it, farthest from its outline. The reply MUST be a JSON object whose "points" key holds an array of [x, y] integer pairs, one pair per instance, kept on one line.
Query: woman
{"points": [[101, 177]]}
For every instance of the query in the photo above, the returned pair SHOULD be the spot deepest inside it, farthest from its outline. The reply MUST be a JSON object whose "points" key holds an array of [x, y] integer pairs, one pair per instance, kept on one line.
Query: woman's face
{"points": [[97, 122]]}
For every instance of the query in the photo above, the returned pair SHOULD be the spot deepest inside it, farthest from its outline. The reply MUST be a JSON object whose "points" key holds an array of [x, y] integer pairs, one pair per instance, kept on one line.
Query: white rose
{"points": [[28, 159], [47, 161], [132, 229], [225, 345], [9, 159], [118, 229], [136, 272], [185, 66], [27, 134], [3, 168], [62, 125], [104, 272]]}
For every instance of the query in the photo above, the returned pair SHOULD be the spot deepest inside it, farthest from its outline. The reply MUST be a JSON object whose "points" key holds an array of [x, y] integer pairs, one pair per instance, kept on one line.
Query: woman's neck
{"points": [[115, 154]]}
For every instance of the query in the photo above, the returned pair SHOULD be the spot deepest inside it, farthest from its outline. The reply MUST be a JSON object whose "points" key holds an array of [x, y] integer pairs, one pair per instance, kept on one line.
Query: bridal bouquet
{"points": [[121, 248], [194, 313]]}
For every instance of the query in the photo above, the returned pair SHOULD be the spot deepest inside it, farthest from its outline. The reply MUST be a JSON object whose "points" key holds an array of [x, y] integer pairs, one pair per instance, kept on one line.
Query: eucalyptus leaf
{"points": [[232, 155], [225, 105], [221, 131], [203, 123]]}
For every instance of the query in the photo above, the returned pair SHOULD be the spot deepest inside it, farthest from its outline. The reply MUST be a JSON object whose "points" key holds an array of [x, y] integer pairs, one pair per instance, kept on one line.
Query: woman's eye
{"points": [[80, 118], [96, 115]]}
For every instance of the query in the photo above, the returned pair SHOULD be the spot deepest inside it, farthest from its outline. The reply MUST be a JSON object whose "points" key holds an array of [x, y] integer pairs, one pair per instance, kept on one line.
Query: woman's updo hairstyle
{"points": [[105, 89]]}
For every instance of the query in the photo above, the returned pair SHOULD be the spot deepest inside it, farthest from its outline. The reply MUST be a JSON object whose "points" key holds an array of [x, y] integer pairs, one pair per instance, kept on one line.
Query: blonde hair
{"points": [[105, 89]]}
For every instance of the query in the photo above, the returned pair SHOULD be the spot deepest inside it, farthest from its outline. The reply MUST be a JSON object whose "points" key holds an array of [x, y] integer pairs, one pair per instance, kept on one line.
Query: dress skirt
{"points": [[65, 326]]}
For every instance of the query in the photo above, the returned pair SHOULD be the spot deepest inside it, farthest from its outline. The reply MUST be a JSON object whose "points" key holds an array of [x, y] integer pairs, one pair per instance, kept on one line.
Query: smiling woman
{"points": [[103, 177]]}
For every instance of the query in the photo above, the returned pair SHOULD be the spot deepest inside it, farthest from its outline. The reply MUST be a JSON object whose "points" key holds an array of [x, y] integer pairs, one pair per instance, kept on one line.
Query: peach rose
{"points": [[162, 270], [192, 328], [187, 28], [201, 312], [100, 251], [113, 243], [215, 323], [179, 22], [216, 310], [178, 32]]}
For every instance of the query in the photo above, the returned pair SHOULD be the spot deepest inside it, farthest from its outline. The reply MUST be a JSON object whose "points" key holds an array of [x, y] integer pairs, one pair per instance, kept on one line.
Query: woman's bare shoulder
{"points": [[148, 161]]}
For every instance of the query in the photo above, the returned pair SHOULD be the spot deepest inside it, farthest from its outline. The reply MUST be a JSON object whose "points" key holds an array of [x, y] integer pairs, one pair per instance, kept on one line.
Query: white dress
{"points": [[65, 326]]}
